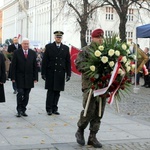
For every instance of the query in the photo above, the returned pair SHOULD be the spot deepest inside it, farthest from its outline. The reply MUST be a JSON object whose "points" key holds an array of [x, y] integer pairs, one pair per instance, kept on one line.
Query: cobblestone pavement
{"points": [[134, 145]]}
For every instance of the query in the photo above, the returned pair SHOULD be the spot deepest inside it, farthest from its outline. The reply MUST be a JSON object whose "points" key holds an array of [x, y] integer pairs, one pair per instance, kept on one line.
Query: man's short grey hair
{"points": [[24, 39]]}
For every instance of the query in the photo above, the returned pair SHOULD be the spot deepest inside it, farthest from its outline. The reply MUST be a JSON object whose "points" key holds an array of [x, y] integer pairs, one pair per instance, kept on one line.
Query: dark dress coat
{"points": [[2, 77], [12, 48], [55, 65], [24, 70]]}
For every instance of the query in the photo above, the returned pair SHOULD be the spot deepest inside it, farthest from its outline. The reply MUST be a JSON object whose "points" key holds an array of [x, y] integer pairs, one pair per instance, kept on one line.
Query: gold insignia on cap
{"points": [[58, 33]]}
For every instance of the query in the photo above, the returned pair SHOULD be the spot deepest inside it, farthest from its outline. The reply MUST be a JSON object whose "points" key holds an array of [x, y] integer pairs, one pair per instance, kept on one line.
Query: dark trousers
{"points": [[2, 93], [146, 79], [52, 100], [22, 99], [14, 86], [138, 75]]}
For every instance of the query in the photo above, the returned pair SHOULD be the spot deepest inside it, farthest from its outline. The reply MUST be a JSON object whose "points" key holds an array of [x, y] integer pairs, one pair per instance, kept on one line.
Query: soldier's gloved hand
{"points": [[67, 78], [43, 77]]}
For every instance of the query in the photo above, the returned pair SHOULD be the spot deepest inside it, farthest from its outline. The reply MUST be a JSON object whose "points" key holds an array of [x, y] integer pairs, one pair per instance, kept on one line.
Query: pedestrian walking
{"points": [[11, 49], [147, 65], [92, 116], [24, 74], [55, 67], [2, 77]]}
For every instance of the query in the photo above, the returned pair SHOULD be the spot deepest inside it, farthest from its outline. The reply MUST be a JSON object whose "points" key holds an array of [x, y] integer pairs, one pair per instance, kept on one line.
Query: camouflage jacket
{"points": [[83, 57]]}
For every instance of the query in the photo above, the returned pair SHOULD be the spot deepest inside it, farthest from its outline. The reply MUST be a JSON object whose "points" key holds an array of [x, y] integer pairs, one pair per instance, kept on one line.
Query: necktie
{"points": [[25, 54]]}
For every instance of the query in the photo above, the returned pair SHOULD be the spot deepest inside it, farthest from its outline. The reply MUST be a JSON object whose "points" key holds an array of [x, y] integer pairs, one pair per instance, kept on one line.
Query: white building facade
{"points": [[38, 19]]}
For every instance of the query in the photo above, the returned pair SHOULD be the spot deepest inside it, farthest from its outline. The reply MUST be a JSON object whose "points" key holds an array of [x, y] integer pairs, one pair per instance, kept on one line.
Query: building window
{"points": [[109, 13], [88, 36], [108, 33], [129, 36], [130, 14]]}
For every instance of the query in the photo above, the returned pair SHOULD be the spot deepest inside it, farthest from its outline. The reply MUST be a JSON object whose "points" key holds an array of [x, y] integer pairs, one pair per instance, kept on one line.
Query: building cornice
{"points": [[11, 3]]}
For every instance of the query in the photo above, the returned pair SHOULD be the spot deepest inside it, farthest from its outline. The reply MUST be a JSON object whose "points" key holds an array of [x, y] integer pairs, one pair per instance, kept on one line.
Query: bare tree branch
{"points": [[75, 9]]}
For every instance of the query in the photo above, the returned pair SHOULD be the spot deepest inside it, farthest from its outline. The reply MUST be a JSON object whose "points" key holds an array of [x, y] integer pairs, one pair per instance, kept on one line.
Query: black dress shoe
{"points": [[147, 86], [15, 92], [56, 113], [24, 114], [49, 113], [18, 114], [143, 85]]}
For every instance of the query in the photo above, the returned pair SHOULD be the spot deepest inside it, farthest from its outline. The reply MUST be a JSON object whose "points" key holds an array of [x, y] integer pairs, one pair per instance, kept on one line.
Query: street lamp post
{"points": [[50, 21]]}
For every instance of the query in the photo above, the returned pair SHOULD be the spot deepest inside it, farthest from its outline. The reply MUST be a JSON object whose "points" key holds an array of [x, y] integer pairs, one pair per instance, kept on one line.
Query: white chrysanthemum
{"points": [[111, 63], [97, 53], [101, 48], [121, 72], [111, 52], [117, 53], [92, 68], [129, 43], [104, 59], [124, 46], [133, 66], [134, 57], [128, 68], [118, 38], [128, 51], [124, 59], [127, 63]]}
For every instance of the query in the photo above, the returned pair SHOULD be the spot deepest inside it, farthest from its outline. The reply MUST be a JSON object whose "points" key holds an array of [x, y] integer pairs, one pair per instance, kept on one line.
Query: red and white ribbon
{"points": [[111, 98], [113, 77]]}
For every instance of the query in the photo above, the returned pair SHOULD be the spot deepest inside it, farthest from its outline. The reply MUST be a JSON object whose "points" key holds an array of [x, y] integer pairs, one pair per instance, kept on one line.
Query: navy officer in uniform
{"points": [[56, 69]]}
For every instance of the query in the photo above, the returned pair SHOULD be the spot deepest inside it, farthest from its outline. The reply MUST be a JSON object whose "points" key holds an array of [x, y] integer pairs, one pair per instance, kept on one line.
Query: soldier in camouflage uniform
{"points": [[92, 116]]}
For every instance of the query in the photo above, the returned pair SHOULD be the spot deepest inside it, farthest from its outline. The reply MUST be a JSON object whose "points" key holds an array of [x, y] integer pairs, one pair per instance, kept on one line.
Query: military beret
{"points": [[97, 33], [58, 33]]}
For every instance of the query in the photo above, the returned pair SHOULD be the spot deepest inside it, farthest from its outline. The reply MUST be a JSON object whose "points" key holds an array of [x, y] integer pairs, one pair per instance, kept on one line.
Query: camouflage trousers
{"points": [[92, 116]]}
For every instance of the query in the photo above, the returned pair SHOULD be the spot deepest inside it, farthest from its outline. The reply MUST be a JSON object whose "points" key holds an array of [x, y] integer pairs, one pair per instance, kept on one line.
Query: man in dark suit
{"points": [[55, 65], [2, 77], [24, 73], [11, 49]]}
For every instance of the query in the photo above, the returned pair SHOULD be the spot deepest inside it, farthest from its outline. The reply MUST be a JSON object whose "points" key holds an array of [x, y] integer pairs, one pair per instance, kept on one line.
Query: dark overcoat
{"points": [[24, 70], [55, 65], [12, 48], [2, 77]]}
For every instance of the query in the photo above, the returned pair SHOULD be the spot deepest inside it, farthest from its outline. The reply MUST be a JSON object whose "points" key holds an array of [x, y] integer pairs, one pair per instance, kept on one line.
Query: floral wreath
{"points": [[109, 68]]}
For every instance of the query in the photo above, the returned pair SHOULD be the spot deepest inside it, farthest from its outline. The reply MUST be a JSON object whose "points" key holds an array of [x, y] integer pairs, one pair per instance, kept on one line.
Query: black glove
{"points": [[67, 78], [43, 77]]}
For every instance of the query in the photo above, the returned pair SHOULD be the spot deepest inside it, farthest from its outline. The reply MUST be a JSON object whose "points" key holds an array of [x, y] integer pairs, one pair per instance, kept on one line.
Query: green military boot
{"points": [[93, 140], [80, 136]]}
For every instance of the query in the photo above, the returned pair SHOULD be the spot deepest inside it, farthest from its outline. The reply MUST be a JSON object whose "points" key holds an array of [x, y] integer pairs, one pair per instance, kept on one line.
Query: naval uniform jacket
{"points": [[2, 77], [24, 70], [55, 64]]}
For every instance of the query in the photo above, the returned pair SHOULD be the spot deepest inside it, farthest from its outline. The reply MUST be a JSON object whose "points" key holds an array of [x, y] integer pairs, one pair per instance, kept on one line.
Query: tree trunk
{"points": [[83, 36], [122, 28]]}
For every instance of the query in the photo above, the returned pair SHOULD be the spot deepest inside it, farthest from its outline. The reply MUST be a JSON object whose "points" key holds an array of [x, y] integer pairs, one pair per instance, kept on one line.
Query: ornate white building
{"points": [[38, 19]]}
